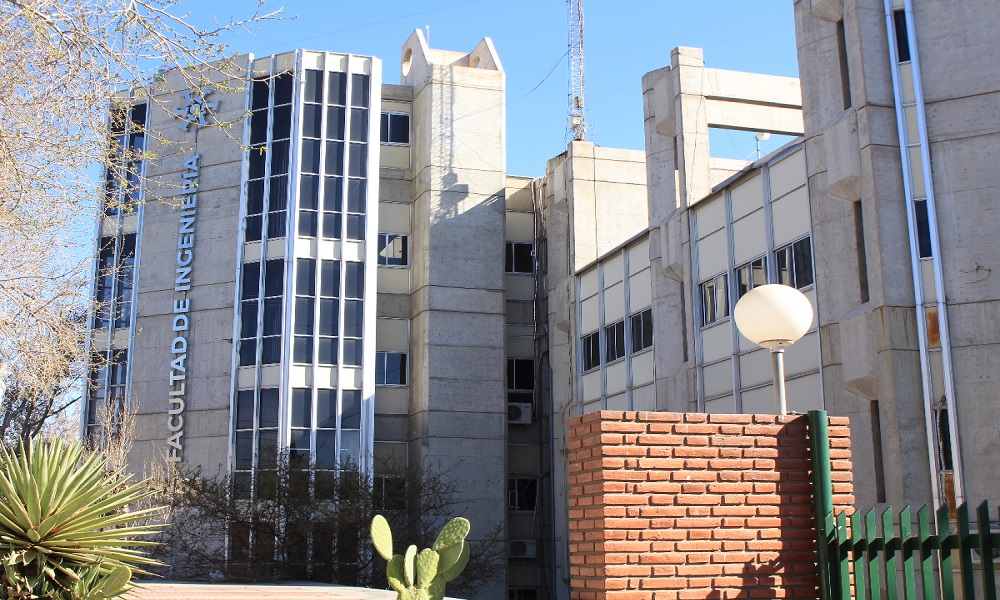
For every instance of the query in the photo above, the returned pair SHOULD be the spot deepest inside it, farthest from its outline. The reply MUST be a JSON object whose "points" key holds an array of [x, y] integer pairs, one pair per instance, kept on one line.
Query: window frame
{"points": [[382, 360], [752, 265], [584, 353], [637, 317], [384, 239], [614, 333], [517, 487], [510, 257], [790, 251], [714, 282], [389, 115]]}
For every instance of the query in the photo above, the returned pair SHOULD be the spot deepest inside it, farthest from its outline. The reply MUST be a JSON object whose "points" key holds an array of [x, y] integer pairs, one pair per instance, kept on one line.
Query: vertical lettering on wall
{"points": [[181, 319]]}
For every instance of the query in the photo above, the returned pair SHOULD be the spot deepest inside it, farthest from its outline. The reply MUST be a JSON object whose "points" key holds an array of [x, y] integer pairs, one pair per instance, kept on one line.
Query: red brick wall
{"points": [[666, 506]]}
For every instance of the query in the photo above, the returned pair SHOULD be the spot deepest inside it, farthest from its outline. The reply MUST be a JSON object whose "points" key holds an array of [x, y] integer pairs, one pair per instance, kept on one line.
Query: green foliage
{"points": [[422, 576], [65, 529]]}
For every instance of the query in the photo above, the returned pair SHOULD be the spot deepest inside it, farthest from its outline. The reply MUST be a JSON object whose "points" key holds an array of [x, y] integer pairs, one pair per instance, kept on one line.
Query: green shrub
{"points": [[66, 531]]}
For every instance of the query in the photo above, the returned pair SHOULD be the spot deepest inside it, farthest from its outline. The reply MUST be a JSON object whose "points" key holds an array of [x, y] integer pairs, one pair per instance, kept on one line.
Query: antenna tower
{"points": [[577, 123]]}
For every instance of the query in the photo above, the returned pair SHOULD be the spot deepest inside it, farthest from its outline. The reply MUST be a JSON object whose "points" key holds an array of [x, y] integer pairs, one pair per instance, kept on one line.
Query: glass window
{"points": [[614, 341], [794, 264], [327, 350], [923, 229], [337, 84], [313, 90], [274, 276], [244, 409], [329, 279], [354, 318], [359, 90], [354, 280], [326, 408], [352, 352], [714, 300], [641, 330], [522, 494], [356, 195], [281, 125], [395, 128], [751, 275], [390, 368], [350, 414], [520, 257], [355, 227], [268, 413], [283, 88], [301, 408], [302, 349], [359, 125], [259, 93], [591, 351], [336, 122], [902, 35], [392, 249], [520, 380], [305, 277]]}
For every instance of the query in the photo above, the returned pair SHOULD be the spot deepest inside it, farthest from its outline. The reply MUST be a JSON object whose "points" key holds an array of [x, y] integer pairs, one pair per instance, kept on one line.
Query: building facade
{"points": [[340, 277], [368, 283]]}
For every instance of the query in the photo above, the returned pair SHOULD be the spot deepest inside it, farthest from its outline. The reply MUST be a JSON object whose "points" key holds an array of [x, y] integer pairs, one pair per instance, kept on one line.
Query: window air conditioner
{"points": [[519, 413], [523, 549]]}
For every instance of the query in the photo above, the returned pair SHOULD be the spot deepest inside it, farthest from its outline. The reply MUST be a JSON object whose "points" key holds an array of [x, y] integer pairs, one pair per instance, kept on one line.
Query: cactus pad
{"points": [[456, 569], [453, 533], [427, 567], [382, 537]]}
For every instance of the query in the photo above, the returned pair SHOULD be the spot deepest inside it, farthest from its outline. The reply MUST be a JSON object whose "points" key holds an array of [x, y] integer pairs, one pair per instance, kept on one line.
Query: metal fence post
{"points": [[819, 453]]}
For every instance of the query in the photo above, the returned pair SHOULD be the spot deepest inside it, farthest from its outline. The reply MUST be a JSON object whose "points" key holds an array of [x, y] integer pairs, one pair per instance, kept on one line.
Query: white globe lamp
{"points": [[774, 317]]}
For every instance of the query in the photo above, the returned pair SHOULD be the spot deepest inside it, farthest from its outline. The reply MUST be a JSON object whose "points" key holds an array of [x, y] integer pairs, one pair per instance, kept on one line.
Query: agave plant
{"points": [[65, 528]]}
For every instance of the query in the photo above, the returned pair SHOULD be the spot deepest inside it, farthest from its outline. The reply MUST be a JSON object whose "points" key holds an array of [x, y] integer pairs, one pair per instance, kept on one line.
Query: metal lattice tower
{"points": [[577, 121]]}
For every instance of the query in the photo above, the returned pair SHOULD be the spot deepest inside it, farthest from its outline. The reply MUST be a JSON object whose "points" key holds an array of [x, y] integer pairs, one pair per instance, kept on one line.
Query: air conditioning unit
{"points": [[523, 549], [519, 413]]}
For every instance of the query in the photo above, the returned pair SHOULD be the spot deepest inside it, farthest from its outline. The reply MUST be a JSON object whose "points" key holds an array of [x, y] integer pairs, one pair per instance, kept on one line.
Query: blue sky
{"points": [[623, 39]]}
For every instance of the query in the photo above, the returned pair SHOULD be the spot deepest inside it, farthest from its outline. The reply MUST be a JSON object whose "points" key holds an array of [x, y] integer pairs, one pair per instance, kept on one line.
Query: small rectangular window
{"points": [[390, 368], [923, 229], [392, 249], [395, 128], [520, 257], [591, 351], [714, 300], [794, 264], [522, 494], [614, 341], [520, 379], [641, 330], [902, 36], [751, 275]]}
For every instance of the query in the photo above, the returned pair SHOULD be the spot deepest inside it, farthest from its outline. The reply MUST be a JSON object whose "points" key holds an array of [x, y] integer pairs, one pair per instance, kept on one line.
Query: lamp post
{"points": [[774, 317]]}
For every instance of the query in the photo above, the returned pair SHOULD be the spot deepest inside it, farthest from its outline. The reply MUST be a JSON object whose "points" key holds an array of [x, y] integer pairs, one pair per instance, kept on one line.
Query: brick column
{"points": [[668, 506]]}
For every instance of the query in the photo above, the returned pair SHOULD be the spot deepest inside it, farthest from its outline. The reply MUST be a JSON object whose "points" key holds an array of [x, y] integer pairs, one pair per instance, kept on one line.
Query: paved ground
{"points": [[293, 591]]}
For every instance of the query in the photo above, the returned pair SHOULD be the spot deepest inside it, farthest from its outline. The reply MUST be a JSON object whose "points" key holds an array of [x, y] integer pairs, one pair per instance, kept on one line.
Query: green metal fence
{"points": [[873, 556]]}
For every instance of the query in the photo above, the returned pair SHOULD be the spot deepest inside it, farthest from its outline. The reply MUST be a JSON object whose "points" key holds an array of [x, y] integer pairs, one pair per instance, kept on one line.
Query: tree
{"points": [[63, 65], [306, 525]]}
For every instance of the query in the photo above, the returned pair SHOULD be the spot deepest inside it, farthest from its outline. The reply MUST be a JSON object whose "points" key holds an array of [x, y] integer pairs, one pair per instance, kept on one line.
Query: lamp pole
{"points": [[774, 317], [778, 373]]}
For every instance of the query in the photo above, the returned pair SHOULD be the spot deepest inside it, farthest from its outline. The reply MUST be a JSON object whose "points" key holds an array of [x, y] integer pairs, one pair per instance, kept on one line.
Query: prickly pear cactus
{"points": [[423, 575]]}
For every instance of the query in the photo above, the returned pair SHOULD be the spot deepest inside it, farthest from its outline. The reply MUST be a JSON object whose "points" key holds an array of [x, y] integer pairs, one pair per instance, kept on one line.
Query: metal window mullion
{"points": [[914, 250], [290, 269], [626, 325], [731, 298], [578, 342], [697, 312], [943, 329], [238, 291]]}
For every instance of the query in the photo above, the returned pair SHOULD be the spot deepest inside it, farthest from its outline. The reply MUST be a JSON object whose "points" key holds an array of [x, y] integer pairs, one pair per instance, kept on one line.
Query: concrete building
{"points": [[358, 285], [505, 305]]}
